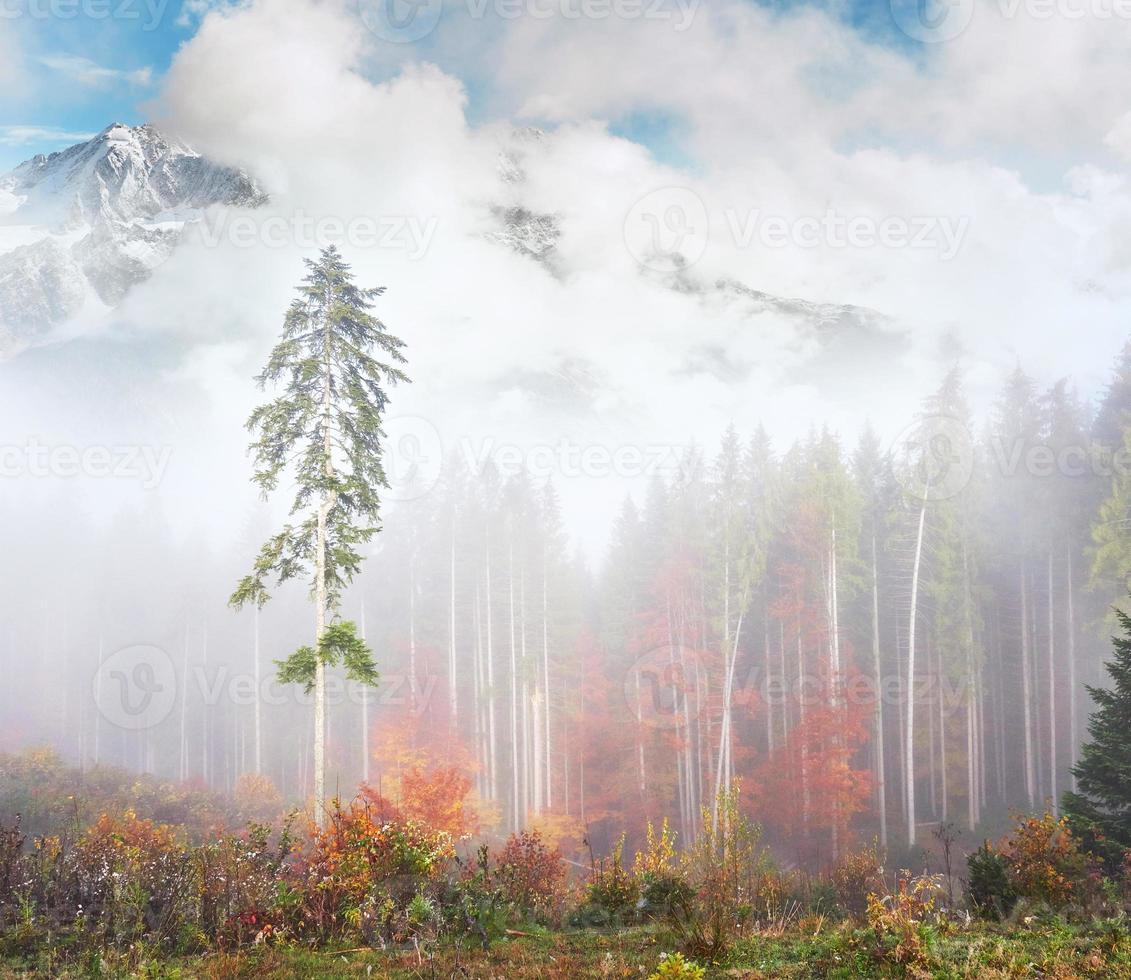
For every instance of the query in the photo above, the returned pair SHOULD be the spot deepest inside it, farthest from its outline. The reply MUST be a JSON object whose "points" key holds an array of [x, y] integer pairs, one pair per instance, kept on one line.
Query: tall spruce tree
{"points": [[1101, 807], [333, 363]]}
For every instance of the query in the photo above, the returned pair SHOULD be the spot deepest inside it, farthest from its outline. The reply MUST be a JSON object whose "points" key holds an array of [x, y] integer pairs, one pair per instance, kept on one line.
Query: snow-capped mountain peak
{"points": [[80, 227]]}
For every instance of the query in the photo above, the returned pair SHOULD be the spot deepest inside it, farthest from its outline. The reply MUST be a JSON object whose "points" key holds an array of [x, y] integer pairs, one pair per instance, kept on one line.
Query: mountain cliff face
{"points": [[82, 226]]}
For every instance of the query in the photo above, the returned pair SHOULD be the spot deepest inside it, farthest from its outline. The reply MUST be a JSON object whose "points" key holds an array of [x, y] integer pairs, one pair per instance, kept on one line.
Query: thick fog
{"points": [[678, 355]]}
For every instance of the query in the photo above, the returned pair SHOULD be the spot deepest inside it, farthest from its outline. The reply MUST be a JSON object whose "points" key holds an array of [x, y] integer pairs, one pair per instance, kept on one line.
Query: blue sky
{"points": [[85, 72], [105, 64]]}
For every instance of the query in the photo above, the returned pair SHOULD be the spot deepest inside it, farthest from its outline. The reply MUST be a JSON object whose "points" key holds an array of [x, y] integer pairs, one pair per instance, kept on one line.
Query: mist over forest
{"points": [[565, 488], [590, 685]]}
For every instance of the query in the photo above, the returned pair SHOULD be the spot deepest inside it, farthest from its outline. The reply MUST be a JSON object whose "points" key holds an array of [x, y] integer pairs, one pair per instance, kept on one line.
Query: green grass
{"points": [[1049, 949]]}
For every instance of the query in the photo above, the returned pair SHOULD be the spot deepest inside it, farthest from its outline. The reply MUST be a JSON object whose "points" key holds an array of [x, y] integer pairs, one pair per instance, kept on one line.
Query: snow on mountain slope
{"points": [[78, 228]]}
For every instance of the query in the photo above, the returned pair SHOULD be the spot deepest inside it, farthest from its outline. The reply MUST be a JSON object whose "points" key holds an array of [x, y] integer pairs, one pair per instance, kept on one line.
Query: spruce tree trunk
{"points": [[547, 744], [1027, 693], [98, 707], [972, 754], [364, 711], [1073, 730], [943, 782], [881, 779], [492, 733], [258, 702], [321, 596], [515, 816], [320, 673], [205, 768], [723, 771], [1052, 691], [909, 730], [453, 679]]}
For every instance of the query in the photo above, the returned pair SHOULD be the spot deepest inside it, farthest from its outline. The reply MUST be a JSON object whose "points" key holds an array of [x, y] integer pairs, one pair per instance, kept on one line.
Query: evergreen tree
{"points": [[327, 423], [1101, 808]]}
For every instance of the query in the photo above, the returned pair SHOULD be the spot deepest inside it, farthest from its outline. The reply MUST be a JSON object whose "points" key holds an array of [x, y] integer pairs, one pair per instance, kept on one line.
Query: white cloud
{"points": [[1008, 132], [29, 135], [86, 72]]}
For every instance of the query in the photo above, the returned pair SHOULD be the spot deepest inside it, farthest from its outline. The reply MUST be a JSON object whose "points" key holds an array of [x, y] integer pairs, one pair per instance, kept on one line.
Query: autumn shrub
{"points": [[475, 903], [725, 867], [358, 875], [903, 922], [242, 895], [129, 878], [1045, 863], [256, 800], [662, 884], [611, 892], [532, 876], [855, 876], [11, 865], [674, 967]]}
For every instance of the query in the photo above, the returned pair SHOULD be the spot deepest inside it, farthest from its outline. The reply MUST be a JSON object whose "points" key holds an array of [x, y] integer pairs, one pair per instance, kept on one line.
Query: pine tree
{"points": [[1101, 808], [327, 424]]}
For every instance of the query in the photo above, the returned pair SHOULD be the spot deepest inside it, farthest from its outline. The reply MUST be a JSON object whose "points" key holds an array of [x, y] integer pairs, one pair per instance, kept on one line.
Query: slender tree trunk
{"points": [[412, 629], [98, 707], [722, 771], [321, 595], [972, 755], [478, 715], [492, 733], [1052, 691], [258, 701], [1074, 745], [881, 779], [205, 714], [453, 679], [515, 814], [1027, 693], [909, 732], [943, 780], [547, 687], [364, 711], [835, 674]]}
